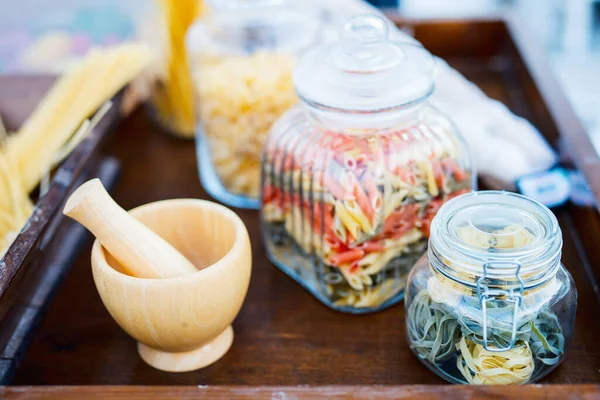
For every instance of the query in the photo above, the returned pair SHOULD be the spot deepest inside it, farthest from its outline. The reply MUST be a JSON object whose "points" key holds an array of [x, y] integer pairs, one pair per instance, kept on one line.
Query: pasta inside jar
{"points": [[491, 304], [351, 211], [239, 98], [242, 54], [353, 175]]}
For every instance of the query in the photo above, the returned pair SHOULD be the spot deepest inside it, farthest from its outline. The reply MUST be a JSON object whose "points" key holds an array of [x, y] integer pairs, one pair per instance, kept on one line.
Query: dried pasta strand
{"points": [[174, 102], [55, 128], [76, 95], [481, 367]]}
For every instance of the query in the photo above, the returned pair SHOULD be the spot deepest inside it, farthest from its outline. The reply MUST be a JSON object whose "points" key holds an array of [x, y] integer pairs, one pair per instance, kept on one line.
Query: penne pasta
{"points": [[376, 214], [394, 202], [357, 214], [352, 226], [383, 259]]}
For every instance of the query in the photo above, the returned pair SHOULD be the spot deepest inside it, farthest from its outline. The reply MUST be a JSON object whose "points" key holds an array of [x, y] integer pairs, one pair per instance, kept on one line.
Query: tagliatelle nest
{"points": [[432, 329], [481, 367]]}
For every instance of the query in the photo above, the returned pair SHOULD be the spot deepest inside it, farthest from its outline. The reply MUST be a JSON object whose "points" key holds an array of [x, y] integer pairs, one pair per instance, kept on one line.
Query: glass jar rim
{"points": [[243, 27], [243, 5], [528, 265]]}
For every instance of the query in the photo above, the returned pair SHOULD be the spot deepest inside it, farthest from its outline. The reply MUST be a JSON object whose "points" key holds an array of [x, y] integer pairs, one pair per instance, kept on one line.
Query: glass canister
{"points": [[491, 304], [242, 55], [353, 175]]}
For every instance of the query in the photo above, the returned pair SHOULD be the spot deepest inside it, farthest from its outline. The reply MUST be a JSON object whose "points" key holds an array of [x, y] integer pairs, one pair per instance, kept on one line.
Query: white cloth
{"points": [[503, 145]]}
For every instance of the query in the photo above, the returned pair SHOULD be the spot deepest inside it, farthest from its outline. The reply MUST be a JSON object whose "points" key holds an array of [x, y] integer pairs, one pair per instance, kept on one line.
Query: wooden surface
{"points": [[429, 392], [283, 336]]}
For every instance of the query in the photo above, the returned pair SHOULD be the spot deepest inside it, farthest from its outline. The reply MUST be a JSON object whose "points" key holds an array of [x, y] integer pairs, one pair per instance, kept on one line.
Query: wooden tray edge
{"points": [[290, 392], [47, 206]]}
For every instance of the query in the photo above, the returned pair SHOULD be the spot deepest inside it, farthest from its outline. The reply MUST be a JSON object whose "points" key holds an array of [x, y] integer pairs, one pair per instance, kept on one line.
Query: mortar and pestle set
{"points": [[173, 274]]}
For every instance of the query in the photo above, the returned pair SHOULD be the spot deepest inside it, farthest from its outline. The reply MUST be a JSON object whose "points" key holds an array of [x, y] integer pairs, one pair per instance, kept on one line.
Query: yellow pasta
{"points": [[173, 97], [302, 233], [410, 237], [359, 216], [55, 128], [428, 171], [371, 297], [381, 261], [354, 280], [339, 228], [347, 219], [75, 96], [482, 367], [239, 98], [394, 201]]}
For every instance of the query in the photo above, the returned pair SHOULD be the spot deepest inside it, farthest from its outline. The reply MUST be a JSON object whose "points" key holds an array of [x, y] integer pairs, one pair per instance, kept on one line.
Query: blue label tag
{"points": [[551, 188], [580, 191]]}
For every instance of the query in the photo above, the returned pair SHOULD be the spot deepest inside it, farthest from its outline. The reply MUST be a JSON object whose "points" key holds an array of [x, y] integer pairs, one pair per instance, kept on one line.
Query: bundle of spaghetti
{"points": [[55, 128], [15, 205], [173, 99], [74, 97]]}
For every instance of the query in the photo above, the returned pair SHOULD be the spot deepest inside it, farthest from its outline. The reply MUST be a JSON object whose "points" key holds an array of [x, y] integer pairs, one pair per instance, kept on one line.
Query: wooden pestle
{"points": [[140, 251]]}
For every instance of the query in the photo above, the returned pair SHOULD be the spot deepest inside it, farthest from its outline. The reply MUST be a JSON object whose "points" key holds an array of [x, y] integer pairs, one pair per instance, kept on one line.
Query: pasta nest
{"points": [[433, 330], [482, 367]]}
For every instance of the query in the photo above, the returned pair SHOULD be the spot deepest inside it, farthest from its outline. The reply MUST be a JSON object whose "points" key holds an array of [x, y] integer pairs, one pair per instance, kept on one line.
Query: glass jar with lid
{"points": [[491, 303], [242, 54], [353, 175]]}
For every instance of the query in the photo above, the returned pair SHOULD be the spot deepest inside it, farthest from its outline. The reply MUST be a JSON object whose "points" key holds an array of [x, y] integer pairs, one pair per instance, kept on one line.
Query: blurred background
{"points": [[45, 36], [569, 31]]}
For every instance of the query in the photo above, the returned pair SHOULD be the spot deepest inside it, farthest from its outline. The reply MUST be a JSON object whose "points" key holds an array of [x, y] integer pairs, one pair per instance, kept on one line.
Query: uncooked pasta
{"points": [[239, 98], [434, 331], [359, 206], [482, 367], [446, 326], [57, 125], [173, 95]]}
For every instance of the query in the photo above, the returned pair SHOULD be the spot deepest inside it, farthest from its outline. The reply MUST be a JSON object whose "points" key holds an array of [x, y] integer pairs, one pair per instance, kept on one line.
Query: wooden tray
{"points": [[286, 342]]}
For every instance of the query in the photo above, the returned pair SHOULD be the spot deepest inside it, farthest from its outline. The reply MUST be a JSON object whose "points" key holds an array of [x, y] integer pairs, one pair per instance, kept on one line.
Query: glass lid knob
{"points": [[365, 30], [366, 70], [365, 46]]}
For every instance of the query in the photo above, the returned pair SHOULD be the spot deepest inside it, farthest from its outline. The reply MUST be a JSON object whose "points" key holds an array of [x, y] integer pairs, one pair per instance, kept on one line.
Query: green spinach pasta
{"points": [[489, 320]]}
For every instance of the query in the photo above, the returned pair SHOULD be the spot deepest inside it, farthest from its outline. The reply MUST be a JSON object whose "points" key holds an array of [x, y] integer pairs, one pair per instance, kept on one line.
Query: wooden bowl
{"points": [[183, 323]]}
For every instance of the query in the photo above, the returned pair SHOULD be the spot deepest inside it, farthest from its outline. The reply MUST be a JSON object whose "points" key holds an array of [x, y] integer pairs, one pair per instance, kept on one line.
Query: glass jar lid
{"points": [[364, 71], [234, 27], [501, 239]]}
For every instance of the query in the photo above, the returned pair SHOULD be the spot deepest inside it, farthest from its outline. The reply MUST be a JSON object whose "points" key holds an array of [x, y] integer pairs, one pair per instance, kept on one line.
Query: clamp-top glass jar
{"points": [[242, 54], [491, 304], [353, 175]]}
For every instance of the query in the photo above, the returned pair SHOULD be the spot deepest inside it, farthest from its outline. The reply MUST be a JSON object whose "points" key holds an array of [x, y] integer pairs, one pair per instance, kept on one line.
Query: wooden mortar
{"points": [[182, 323]]}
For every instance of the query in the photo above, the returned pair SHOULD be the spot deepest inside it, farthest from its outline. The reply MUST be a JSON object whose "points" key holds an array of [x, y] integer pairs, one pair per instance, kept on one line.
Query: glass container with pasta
{"points": [[353, 175], [242, 54], [491, 304]]}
